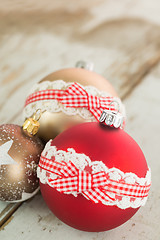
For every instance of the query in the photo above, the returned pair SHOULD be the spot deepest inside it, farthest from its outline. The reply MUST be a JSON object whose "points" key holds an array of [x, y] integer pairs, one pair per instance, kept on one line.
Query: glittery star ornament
{"points": [[19, 156], [5, 158]]}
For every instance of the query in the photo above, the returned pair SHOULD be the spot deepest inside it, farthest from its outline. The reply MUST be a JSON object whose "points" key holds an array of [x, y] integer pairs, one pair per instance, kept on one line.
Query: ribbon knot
{"points": [[93, 102], [97, 187], [72, 179], [84, 181], [75, 96], [81, 179], [87, 181]]}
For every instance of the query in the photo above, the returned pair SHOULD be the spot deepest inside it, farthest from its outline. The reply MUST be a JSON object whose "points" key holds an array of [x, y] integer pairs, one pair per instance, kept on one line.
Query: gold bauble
{"points": [[51, 124], [19, 157]]}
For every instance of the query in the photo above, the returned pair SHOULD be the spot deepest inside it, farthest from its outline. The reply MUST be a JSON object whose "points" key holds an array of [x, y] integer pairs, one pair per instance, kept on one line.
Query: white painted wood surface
{"points": [[123, 39]]}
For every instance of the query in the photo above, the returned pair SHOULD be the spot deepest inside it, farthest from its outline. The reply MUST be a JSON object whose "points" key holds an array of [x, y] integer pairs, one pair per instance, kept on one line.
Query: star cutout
{"points": [[5, 158]]}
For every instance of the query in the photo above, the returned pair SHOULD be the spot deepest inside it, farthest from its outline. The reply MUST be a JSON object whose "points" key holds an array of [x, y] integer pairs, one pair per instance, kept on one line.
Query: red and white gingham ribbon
{"points": [[95, 187], [75, 96]]}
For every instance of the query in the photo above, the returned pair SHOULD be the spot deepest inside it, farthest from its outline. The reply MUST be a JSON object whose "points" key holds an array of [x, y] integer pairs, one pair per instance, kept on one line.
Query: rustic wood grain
{"points": [[6, 214], [123, 40]]}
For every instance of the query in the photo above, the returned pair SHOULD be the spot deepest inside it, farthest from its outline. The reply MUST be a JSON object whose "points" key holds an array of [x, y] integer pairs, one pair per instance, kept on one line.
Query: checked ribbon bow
{"points": [[75, 96], [93, 186]]}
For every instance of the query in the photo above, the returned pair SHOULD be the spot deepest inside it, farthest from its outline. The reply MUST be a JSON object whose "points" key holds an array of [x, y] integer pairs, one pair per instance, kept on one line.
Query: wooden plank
{"points": [[41, 41], [3, 205], [7, 212], [143, 124], [109, 9], [125, 66]]}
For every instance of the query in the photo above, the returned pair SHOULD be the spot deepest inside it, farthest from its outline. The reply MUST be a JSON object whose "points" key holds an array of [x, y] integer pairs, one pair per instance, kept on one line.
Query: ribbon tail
{"points": [[97, 196], [96, 113], [63, 184], [76, 89]]}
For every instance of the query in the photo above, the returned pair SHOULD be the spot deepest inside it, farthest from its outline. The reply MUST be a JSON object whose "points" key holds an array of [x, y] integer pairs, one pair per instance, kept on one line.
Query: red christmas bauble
{"points": [[116, 150]]}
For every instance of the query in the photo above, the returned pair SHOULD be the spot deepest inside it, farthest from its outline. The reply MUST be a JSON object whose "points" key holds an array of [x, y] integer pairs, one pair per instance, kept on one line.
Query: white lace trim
{"points": [[54, 106], [81, 161]]}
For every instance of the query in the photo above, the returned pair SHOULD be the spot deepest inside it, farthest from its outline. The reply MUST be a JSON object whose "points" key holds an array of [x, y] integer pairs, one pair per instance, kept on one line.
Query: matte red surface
{"points": [[115, 148]]}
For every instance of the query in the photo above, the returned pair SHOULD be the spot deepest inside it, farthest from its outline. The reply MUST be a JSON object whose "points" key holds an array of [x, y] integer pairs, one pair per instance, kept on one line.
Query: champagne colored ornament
{"points": [[57, 117], [19, 157], [93, 177]]}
